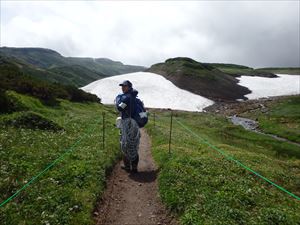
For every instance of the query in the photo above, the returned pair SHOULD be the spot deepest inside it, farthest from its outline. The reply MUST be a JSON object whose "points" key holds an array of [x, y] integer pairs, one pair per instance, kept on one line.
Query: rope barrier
{"points": [[236, 161], [68, 150]]}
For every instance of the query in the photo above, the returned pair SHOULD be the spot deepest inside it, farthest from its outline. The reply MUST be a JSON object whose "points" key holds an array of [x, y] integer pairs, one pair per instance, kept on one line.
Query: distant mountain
{"points": [[39, 57], [105, 66], [201, 78], [51, 66]]}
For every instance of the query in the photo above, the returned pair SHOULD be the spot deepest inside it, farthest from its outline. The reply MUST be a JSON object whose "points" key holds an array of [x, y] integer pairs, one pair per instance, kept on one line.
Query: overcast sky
{"points": [[257, 34]]}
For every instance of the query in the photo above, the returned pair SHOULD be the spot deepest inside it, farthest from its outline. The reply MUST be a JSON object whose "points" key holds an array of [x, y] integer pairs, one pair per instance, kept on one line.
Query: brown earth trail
{"points": [[132, 199]]}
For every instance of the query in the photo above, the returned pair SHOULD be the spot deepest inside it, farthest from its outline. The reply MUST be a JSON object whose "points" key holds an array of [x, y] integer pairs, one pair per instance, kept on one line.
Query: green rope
{"points": [[68, 150], [236, 161]]}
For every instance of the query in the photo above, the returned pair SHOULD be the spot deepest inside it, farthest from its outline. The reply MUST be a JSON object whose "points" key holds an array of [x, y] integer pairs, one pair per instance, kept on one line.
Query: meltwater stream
{"points": [[252, 125]]}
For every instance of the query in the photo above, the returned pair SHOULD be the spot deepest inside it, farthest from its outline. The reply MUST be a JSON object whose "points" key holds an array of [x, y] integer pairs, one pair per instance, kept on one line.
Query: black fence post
{"points": [[103, 130], [170, 137]]}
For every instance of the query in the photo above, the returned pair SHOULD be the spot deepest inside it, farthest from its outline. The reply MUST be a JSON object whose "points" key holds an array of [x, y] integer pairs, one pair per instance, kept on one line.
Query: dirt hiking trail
{"points": [[132, 199]]}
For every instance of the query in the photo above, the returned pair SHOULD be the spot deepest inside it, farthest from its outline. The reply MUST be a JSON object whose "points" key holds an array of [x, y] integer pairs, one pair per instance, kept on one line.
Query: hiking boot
{"points": [[134, 164], [126, 165], [126, 168], [134, 170]]}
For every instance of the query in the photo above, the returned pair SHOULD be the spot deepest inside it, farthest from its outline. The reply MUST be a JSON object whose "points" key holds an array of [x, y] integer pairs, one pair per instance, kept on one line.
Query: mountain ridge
{"points": [[51, 65]]}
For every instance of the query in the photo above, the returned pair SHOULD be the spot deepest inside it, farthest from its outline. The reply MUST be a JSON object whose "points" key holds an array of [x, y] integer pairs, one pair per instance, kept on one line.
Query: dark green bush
{"points": [[32, 120], [9, 104]]}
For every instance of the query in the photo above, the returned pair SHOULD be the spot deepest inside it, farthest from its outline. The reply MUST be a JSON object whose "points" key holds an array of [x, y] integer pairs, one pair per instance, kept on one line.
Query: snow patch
{"points": [[154, 90], [266, 87]]}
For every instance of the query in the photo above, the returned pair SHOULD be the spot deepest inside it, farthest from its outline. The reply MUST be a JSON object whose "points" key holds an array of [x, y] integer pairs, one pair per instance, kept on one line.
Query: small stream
{"points": [[252, 125], [244, 122]]}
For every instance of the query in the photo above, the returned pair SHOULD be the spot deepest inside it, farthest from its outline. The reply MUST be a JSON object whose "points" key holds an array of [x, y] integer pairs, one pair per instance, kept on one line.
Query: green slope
{"points": [[282, 70], [105, 66], [77, 75], [21, 78], [54, 70], [38, 57], [239, 70], [203, 186], [51, 66]]}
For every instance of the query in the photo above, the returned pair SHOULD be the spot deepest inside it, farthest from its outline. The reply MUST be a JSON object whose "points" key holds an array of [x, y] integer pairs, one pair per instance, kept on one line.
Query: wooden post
{"points": [[154, 118], [103, 130], [170, 137]]}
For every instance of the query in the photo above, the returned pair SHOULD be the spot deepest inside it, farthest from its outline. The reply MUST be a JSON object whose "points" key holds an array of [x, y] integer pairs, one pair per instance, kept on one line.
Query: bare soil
{"points": [[132, 199], [237, 108]]}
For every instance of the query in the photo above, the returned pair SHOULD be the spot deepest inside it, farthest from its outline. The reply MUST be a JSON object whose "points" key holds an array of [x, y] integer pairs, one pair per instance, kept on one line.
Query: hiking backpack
{"points": [[141, 116]]}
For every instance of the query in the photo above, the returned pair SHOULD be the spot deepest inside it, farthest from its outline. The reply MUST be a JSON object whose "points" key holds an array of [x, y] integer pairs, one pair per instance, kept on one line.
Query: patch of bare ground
{"points": [[132, 198]]}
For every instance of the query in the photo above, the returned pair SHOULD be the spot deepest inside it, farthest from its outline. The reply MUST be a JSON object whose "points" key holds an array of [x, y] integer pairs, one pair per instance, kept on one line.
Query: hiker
{"points": [[130, 133]]}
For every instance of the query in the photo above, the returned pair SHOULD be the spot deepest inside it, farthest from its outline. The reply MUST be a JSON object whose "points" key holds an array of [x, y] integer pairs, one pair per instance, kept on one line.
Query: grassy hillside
{"points": [[238, 70], [203, 186], [200, 78], [67, 75], [51, 66], [39, 57], [14, 78], [36, 136], [105, 66], [77, 75], [282, 70]]}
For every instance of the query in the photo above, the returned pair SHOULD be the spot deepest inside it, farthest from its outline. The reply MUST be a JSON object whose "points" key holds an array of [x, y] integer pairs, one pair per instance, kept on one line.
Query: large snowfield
{"points": [[157, 92], [267, 87], [154, 90]]}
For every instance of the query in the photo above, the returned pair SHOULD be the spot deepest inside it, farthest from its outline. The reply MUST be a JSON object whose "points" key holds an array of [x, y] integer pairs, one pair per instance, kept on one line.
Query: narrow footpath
{"points": [[132, 199]]}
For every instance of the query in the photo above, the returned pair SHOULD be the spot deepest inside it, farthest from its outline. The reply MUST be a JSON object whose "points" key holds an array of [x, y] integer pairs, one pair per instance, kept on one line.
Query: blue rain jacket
{"points": [[125, 103]]}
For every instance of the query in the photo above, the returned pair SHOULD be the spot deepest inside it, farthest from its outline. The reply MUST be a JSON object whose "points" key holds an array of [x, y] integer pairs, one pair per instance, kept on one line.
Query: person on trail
{"points": [[130, 133]]}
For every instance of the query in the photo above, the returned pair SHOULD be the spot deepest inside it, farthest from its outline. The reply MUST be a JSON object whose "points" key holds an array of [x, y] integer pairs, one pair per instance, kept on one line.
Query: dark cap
{"points": [[126, 83]]}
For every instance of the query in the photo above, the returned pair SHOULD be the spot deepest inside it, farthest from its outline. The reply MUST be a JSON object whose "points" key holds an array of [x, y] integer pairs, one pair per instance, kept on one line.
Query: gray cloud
{"points": [[255, 33]]}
